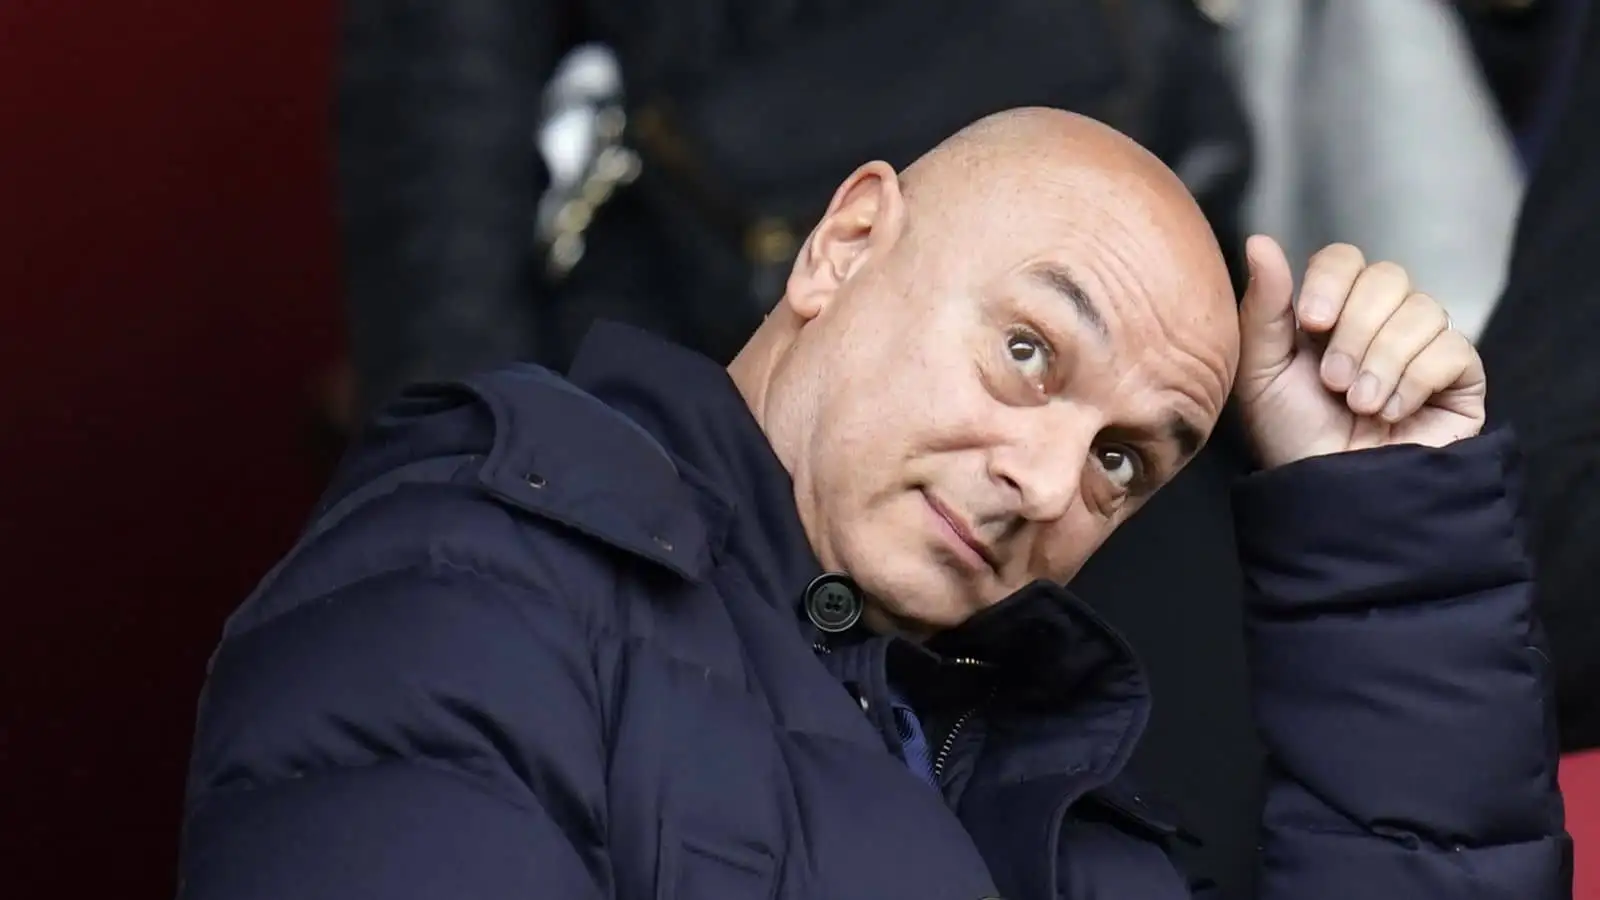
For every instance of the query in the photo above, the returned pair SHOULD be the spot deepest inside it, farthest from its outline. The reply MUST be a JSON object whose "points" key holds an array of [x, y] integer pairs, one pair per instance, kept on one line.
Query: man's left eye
{"points": [[1121, 466], [1030, 354]]}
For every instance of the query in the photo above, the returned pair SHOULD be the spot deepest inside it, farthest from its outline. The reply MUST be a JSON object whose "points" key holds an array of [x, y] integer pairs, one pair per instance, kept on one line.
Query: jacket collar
{"points": [[692, 407], [1069, 686]]}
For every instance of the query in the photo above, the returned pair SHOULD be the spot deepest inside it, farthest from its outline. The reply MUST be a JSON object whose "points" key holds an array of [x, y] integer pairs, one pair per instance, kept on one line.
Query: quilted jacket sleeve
{"points": [[427, 733], [1399, 680]]}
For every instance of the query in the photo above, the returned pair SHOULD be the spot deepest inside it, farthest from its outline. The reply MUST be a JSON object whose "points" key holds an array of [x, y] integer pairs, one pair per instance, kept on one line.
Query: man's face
{"points": [[991, 393]]}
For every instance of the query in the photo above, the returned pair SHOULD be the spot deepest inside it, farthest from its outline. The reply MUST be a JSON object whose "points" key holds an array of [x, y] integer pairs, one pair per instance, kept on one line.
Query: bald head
{"points": [[1042, 156], [984, 364], [1023, 142]]}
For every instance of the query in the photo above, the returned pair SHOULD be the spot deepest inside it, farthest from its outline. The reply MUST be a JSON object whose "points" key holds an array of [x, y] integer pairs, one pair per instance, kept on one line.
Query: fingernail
{"points": [[1365, 392], [1316, 310], [1338, 370], [1391, 410]]}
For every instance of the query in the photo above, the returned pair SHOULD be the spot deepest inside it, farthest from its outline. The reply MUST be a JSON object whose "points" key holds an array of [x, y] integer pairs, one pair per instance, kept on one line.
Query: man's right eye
{"points": [[1030, 354], [1122, 466]]}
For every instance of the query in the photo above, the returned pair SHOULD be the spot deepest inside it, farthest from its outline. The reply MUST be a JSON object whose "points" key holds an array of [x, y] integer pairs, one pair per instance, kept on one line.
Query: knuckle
{"points": [[1364, 315], [1388, 273], [1435, 370], [1339, 256], [1420, 315], [1385, 360], [1453, 352], [1413, 393], [1424, 305]]}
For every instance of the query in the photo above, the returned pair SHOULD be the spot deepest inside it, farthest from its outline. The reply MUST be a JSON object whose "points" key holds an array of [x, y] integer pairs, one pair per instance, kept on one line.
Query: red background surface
{"points": [[167, 288], [1580, 782]]}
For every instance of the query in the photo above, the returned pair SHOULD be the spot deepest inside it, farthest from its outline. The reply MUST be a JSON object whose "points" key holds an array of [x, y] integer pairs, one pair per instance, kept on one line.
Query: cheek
{"points": [[887, 429], [1069, 544], [900, 385], [858, 444]]}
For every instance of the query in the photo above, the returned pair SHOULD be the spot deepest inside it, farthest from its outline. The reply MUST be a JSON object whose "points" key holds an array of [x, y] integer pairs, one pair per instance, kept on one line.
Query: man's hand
{"points": [[1361, 361]]}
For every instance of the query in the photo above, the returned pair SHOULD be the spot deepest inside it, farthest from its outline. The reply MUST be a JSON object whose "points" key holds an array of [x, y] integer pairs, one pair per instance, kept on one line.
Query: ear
{"points": [[864, 219]]}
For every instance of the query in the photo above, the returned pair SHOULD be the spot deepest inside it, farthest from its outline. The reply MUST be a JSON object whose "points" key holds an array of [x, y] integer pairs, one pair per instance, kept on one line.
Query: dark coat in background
{"points": [[758, 110], [546, 639], [1542, 351], [1526, 49]]}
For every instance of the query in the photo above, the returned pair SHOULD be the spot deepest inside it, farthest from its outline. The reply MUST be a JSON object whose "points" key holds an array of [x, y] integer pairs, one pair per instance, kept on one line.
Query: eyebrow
{"points": [[1057, 278], [1179, 429], [1184, 433]]}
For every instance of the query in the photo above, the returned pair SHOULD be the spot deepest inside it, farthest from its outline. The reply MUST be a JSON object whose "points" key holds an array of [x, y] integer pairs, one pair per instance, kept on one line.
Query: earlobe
{"points": [[864, 217]]}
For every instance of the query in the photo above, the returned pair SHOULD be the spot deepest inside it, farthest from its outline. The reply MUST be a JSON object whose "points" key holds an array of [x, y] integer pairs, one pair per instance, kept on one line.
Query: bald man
{"points": [[795, 629]]}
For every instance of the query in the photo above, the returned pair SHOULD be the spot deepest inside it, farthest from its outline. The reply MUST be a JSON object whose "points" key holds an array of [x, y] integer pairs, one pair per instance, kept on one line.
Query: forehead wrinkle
{"points": [[1185, 361], [1059, 278], [1179, 307]]}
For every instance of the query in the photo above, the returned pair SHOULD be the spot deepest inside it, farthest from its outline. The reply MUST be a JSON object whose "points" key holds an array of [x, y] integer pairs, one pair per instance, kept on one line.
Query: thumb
{"points": [[1267, 325]]}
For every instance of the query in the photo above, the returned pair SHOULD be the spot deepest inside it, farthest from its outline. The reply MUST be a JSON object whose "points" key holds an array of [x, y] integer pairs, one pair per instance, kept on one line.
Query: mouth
{"points": [[973, 553]]}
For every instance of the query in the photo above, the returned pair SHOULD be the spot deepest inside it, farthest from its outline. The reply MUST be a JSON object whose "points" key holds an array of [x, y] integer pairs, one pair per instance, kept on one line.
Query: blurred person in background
{"points": [[1541, 348], [1527, 50], [736, 121], [1404, 126], [718, 142], [1375, 125]]}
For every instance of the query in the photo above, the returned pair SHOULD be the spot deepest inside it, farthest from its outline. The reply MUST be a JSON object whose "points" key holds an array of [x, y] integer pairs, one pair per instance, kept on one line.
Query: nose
{"points": [[1043, 466]]}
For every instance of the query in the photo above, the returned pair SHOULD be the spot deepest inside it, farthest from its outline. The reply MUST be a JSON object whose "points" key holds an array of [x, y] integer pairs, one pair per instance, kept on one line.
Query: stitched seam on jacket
{"points": [[486, 781], [440, 560], [1415, 841], [1384, 598]]}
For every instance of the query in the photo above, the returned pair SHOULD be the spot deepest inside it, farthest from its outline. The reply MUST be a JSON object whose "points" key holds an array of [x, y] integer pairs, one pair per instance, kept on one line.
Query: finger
{"points": [[1266, 314], [1378, 292], [1413, 327], [1448, 364], [1330, 275]]}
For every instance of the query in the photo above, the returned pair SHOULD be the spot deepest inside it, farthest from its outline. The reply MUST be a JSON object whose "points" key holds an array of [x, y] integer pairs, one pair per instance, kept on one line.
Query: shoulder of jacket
{"points": [[537, 446], [560, 454], [518, 441]]}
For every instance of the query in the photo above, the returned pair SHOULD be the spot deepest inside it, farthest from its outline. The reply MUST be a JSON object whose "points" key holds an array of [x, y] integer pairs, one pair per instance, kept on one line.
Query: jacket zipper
{"points": [[948, 744]]}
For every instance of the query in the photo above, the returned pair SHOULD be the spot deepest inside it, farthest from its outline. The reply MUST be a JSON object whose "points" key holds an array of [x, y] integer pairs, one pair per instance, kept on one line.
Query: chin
{"points": [[915, 596]]}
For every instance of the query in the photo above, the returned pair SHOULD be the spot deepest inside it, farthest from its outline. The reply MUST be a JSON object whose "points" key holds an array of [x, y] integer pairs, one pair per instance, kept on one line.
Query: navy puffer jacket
{"points": [[550, 639]]}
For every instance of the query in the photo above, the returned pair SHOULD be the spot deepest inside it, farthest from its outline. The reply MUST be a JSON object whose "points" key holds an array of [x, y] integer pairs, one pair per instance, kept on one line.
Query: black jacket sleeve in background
{"points": [[439, 180], [1542, 350]]}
